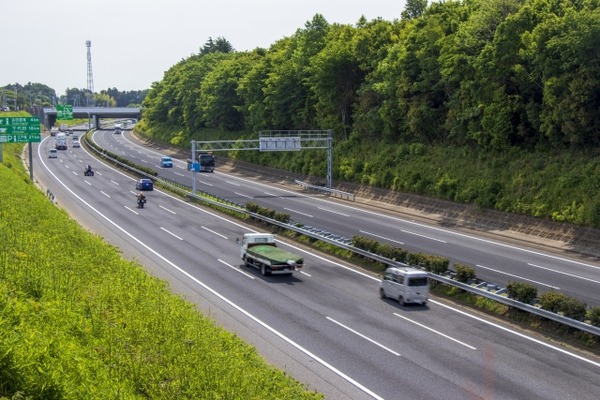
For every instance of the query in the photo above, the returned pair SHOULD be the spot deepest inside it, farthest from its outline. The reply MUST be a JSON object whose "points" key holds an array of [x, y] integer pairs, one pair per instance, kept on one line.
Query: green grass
{"points": [[79, 321]]}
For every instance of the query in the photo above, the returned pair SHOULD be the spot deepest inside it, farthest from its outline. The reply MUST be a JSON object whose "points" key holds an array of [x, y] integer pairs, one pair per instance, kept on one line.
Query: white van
{"points": [[53, 153], [407, 285]]}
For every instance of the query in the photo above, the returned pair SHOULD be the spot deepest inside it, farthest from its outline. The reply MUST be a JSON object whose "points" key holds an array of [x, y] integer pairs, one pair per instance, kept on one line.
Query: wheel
{"points": [[264, 271], [401, 300], [382, 293]]}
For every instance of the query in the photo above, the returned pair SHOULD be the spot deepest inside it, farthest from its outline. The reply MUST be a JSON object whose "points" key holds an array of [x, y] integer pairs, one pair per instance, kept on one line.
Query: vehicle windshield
{"points": [[206, 159], [166, 158], [420, 281]]}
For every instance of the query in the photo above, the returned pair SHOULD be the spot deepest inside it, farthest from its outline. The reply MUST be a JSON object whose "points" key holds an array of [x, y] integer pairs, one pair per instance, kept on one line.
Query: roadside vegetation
{"points": [[77, 321], [486, 102]]}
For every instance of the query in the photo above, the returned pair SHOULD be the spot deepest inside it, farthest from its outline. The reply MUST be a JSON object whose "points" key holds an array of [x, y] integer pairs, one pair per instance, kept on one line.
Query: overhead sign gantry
{"points": [[275, 140]]}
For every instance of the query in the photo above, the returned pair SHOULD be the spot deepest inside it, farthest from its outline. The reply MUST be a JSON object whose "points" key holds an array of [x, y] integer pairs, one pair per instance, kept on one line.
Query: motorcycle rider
{"points": [[141, 199], [88, 168]]}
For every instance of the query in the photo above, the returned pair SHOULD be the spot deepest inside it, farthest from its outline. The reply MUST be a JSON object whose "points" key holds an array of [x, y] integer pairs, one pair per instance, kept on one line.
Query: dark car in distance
{"points": [[144, 184]]}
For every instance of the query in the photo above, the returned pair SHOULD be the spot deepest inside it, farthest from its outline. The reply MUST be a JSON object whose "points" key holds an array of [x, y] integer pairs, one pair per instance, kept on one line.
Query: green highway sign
{"points": [[20, 129], [20, 138], [64, 111], [19, 121]]}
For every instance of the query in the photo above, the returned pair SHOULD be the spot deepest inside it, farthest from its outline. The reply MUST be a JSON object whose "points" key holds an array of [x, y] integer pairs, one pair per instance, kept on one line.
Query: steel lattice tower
{"points": [[90, 76]]}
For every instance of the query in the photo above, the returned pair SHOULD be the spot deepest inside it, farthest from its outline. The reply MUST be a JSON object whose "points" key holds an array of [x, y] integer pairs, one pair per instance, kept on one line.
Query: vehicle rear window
{"points": [[421, 281]]}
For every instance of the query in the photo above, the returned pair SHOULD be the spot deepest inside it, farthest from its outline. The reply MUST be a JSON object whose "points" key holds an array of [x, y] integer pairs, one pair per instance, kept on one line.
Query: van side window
{"points": [[397, 278]]}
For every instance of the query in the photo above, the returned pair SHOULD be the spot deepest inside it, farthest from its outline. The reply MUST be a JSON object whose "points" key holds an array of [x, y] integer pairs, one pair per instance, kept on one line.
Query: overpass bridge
{"points": [[93, 114]]}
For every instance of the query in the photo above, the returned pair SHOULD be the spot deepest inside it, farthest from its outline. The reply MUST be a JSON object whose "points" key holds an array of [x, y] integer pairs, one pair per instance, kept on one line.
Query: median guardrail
{"points": [[334, 192]]}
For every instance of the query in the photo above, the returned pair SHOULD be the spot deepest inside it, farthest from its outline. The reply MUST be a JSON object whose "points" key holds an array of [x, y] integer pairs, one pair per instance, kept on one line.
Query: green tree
{"points": [[334, 77], [287, 92], [371, 43], [219, 99], [414, 9], [569, 67], [220, 45], [250, 90]]}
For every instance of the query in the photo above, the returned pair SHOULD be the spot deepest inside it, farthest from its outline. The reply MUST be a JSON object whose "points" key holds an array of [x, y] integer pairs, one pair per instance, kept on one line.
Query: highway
{"points": [[326, 326], [494, 261]]}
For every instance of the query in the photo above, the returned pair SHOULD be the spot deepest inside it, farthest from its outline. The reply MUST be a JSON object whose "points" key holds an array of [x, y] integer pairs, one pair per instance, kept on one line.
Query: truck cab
{"points": [[207, 162], [253, 239]]}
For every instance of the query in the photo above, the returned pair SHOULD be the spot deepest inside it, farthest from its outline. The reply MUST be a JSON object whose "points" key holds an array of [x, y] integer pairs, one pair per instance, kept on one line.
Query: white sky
{"points": [[135, 41]]}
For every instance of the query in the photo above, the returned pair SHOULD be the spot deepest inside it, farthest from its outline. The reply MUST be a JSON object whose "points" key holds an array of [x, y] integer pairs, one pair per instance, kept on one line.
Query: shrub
{"points": [[434, 264], [251, 206], [417, 259], [521, 291], [573, 308], [385, 250], [594, 316], [399, 255], [282, 217], [438, 265], [366, 244], [464, 272], [561, 303], [552, 301]]}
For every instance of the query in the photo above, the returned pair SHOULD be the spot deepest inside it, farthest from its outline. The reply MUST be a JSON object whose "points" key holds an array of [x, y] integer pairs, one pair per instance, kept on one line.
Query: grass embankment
{"points": [[79, 321]]}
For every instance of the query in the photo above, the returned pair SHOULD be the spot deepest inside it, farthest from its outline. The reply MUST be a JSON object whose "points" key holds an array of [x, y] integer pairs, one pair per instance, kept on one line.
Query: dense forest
{"points": [[489, 102]]}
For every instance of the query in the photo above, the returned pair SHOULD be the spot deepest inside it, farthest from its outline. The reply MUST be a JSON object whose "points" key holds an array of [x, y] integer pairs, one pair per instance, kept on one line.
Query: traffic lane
{"points": [[461, 334], [148, 157]]}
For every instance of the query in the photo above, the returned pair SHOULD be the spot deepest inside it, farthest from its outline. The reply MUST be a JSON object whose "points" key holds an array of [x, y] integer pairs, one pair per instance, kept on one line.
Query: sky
{"points": [[133, 42]]}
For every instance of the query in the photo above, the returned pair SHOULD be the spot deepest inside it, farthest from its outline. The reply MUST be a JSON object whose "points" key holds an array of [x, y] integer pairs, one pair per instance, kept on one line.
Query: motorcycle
{"points": [[88, 172], [141, 203]]}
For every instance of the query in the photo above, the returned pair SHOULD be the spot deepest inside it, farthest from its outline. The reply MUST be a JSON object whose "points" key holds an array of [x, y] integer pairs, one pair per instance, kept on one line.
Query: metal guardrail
{"points": [[517, 304], [345, 244], [349, 196]]}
